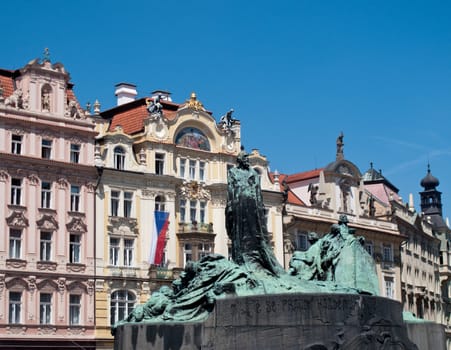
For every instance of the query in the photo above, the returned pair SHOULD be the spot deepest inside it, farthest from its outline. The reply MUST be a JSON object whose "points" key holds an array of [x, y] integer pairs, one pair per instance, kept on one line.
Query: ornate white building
{"points": [[159, 156]]}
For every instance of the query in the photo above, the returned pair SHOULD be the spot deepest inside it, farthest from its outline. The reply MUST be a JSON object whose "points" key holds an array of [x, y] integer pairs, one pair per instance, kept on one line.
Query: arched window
{"points": [[119, 158], [46, 96], [159, 203], [122, 303]]}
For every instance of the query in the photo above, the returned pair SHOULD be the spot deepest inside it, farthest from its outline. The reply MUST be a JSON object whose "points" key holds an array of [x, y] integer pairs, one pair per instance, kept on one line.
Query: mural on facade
{"points": [[192, 138]]}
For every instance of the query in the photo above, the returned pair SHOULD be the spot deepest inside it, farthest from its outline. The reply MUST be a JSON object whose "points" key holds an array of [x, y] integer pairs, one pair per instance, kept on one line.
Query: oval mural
{"points": [[192, 138]]}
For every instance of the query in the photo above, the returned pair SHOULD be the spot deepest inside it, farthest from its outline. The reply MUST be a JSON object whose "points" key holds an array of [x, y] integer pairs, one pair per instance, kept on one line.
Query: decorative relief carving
{"points": [[3, 176], [77, 268], [46, 330], [194, 190], [32, 284], [47, 222], [17, 219], [91, 287], [61, 285], [16, 264], [33, 179], [122, 226], [16, 330], [63, 183], [76, 330], [90, 187], [15, 100], [148, 194], [46, 265], [76, 225], [2, 286]]}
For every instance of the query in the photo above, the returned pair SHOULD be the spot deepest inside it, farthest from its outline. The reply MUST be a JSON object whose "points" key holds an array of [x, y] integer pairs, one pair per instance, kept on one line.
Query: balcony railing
{"points": [[187, 227]]}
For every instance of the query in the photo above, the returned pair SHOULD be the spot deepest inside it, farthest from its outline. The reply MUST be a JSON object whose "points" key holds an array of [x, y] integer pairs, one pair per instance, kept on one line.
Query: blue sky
{"points": [[297, 73]]}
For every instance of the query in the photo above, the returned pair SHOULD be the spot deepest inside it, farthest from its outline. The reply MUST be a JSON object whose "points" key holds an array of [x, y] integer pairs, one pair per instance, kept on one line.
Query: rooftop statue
{"points": [[335, 263]]}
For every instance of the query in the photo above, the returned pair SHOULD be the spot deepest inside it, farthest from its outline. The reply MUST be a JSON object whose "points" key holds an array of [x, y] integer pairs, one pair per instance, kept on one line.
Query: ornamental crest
{"points": [[47, 222], [194, 190], [17, 219], [76, 225]]}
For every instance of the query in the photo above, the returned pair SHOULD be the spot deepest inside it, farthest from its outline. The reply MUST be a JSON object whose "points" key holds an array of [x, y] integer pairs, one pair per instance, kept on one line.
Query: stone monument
{"points": [[327, 300]]}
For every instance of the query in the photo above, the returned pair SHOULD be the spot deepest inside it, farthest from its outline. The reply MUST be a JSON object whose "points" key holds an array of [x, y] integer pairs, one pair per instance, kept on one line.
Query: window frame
{"points": [[75, 309], [46, 195], [15, 308], [16, 145], [45, 308], [16, 191], [75, 197], [46, 148], [75, 248], [45, 246], [159, 163], [75, 152], [15, 243], [119, 158]]}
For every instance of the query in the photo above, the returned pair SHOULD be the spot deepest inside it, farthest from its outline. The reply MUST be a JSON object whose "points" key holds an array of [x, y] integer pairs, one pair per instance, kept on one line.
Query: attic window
{"points": [[46, 98], [192, 138]]}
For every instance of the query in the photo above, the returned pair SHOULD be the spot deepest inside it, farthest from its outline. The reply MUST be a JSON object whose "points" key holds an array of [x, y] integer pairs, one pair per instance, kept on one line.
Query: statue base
{"points": [[279, 321]]}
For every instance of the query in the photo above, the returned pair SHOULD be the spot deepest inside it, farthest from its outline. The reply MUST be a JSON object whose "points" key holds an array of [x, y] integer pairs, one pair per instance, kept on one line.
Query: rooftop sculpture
{"points": [[335, 263]]}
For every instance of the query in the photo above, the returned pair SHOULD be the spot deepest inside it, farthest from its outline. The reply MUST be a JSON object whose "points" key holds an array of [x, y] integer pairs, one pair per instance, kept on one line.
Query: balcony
{"points": [[191, 227], [124, 271]]}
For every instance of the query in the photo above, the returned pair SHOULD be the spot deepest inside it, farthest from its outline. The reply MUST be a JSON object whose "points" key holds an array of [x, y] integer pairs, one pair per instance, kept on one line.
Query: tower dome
{"points": [[429, 182]]}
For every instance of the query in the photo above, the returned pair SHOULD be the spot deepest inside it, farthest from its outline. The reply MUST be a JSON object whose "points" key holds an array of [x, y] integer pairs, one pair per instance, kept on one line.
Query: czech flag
{"points": [[161, 223]]}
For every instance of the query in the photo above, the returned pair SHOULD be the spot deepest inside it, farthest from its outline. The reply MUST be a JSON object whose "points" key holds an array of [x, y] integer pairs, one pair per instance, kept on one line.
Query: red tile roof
{"points": [[292, 198], [131, 116], [7, 82], [304, 175]]}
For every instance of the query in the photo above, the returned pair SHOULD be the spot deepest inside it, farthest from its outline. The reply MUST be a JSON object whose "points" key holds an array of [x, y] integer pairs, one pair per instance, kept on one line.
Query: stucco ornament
{"points": [[254, 269]]}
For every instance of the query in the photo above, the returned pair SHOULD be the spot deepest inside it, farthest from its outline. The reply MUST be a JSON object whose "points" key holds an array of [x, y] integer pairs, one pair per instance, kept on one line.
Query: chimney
{"points": [[125, 93], [164, 95]]}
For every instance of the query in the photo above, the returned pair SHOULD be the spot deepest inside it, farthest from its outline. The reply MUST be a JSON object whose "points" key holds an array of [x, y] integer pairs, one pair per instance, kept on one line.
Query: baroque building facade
{"points": [[158, 157], [47, 186], [317, 198]]}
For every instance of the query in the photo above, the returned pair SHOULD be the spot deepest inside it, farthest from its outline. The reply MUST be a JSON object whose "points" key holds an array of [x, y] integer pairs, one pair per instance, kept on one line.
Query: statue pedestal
{"points": [[280, 321]]}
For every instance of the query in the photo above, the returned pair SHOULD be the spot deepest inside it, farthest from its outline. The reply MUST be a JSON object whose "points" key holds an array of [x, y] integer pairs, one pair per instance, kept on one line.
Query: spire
{"points": [[340, 144]]}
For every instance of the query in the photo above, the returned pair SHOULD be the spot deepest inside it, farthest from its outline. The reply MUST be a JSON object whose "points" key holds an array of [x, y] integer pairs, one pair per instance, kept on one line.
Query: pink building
{"points": [[47, 187]]}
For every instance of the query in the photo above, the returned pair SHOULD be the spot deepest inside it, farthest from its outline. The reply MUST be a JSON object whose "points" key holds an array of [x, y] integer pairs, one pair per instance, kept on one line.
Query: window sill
{"points": [[46, 265]]}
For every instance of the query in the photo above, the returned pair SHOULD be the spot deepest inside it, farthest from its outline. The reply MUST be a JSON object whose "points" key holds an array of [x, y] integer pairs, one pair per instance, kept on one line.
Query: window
{"points": [[192, 210], [115, 197], [74, 153], [182, 210], [202, 212], [74, 309], [119, 158], [369, 248], [15, 306], [301, 241], [159, 163], [75, 198], [182, 167], [389, 290], [46, 195], [388, 253], [122, 303], [202, 171], [46, 149], [159, 203], [187, 253], [192, 169], [15, 243], [204, 249], [46, 246], [128, 200], [114, 251], [16, 144], [16, 191], [128, 252], [45, 308], [74, 248]]}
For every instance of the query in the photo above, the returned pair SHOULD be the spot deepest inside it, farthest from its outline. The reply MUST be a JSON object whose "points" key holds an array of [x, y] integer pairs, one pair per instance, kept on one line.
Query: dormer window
{"points": [[46, 95], [119, 158]]}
